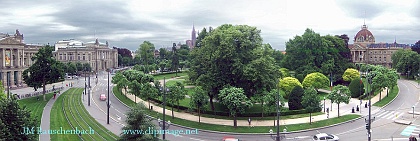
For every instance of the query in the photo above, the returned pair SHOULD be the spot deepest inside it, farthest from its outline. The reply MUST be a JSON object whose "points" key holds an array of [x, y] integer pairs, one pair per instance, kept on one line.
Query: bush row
{"points": [[283, 112]]}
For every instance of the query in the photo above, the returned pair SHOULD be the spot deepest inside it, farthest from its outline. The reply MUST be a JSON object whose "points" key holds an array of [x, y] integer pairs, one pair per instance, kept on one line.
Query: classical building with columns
{"points": [[15, 57], [99, 55], [366, 51]]}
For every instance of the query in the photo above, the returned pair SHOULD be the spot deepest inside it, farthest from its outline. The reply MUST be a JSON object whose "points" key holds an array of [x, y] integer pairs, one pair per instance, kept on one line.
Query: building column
{"points": [[3, 54]]}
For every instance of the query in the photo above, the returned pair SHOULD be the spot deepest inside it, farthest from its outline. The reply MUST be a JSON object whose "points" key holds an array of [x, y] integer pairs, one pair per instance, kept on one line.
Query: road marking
{"points": [[379, 115], [408, 131], [196, 139], [397, 116], [387, 116]]}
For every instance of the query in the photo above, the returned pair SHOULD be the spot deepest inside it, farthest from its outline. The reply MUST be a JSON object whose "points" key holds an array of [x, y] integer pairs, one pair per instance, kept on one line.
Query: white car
{"points": [[325, 137]]}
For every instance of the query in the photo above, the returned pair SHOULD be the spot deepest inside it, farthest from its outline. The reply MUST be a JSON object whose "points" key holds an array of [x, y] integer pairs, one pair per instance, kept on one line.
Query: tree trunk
{"points": [[387, 92], [310, 118], [331, 105], [235, 124], [262, 107], [211, 103], [199, 118], [43, 91], [148, 100], [338, 109], [380, 95], [172, 111]]}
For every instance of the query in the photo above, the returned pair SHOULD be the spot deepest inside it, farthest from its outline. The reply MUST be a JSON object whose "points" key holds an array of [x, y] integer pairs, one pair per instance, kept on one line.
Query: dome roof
{"points": [[364, 35]]}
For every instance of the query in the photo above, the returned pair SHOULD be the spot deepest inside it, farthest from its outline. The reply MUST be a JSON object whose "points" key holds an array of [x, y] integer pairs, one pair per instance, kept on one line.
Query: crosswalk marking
{"points": [[410, 131], [391, 115]]}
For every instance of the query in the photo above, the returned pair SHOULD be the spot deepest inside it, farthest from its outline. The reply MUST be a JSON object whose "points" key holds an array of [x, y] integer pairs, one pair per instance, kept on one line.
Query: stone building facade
{"points": [[99, 55], [364, 49], [15, 57]]}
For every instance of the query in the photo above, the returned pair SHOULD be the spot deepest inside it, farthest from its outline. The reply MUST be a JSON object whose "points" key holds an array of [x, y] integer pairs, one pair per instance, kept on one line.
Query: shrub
{"points": [[356, 88], [295, 98]]}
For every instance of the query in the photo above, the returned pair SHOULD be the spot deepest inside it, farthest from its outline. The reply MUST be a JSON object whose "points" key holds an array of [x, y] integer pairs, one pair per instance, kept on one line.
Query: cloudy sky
{"points": [[127, 23]]}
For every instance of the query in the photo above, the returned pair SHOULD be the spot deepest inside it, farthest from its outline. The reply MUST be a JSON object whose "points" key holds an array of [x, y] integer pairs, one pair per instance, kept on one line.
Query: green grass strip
{"points": [[239, 129], [77, 116], [386, 99]]}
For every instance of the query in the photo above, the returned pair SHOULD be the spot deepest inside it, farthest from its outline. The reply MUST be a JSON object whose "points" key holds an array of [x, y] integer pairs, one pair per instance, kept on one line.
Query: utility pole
{"points": [[89, 90], [109, 105]]}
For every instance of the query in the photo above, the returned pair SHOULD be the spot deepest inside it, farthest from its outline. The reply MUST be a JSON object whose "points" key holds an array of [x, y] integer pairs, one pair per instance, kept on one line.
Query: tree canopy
{"points": [[312, 52], [235, 101], [351, 74], [233, 55], [45, 70], [287, 84], [316, 80]]}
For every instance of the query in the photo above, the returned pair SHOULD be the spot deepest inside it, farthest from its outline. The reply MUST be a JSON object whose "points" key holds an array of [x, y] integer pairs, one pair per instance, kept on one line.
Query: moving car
{"points": [[102, 97], [325, 137]]}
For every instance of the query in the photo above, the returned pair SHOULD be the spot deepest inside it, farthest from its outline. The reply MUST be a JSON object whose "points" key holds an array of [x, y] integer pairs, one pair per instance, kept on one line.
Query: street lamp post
{"points": [[108, 103], [89, 90], [164, 104], [324, 104], [276, 138], [85, 87]]}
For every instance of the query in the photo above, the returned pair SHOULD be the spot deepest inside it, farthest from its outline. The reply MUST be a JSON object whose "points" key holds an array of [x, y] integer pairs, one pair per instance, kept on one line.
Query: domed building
{"points": [[365, 50]]}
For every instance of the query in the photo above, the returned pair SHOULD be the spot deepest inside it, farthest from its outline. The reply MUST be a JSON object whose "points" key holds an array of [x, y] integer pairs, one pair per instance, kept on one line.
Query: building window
{"points": [[61, 57], [370, 52]]}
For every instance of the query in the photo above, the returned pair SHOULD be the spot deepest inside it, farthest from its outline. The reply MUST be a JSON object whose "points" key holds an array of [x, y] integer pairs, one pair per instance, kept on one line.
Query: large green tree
{"points": [[45, 70], [138, 120], [15, 119], [146, 53], [228, 56], [312, 52], [235, 100]]}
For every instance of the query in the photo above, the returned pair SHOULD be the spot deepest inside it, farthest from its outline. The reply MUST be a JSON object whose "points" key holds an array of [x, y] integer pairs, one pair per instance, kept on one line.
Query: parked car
{"points": [[102, 97], [325, 137]]}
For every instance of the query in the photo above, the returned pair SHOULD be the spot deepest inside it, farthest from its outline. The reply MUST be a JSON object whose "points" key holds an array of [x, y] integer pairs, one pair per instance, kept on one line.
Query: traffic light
{"points": [[367, 126]]}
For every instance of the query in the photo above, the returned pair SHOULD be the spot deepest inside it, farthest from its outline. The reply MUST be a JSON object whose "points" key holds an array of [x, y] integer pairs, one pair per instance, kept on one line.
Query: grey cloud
{"points": [[358, 8]]}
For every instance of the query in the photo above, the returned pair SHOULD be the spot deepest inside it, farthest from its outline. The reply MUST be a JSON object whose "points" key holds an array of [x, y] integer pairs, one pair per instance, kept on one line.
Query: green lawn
{"points": [[222, 128], [391, 95], [173, 82], [168, 75], [69, 113], [36, 107]]}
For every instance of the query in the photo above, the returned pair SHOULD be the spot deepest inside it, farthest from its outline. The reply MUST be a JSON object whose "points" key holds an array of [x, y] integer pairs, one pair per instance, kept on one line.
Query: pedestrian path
{"points": [[344, 110], [45, 119]]}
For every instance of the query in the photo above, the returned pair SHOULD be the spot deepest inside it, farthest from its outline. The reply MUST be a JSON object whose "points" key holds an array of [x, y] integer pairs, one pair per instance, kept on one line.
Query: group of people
{"points": [[412, 138]]}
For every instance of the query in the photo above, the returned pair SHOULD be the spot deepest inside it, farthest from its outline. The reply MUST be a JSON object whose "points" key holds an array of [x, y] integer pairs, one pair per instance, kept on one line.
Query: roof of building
{"points": [[365, 34]]}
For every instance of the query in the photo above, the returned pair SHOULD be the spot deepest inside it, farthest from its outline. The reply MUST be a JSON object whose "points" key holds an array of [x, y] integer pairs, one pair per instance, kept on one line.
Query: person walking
{"points": [[55, 94]]}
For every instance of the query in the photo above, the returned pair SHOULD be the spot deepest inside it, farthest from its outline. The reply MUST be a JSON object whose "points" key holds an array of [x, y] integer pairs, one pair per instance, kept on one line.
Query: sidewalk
{"points": [[45, 119], [344, 110]]}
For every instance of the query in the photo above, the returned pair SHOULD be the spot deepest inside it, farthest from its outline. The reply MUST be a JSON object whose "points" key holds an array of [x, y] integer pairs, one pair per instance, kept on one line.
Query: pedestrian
{"points": [[249, 121], [55, 94]]}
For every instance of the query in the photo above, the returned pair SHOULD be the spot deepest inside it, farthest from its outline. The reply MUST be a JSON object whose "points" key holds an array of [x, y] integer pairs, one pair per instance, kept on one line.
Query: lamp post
{"points": [[89, 90], [324, 104], [277, 138], [85, 86], [163, 125], [108, 103]]}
